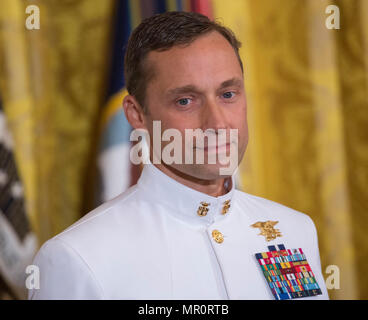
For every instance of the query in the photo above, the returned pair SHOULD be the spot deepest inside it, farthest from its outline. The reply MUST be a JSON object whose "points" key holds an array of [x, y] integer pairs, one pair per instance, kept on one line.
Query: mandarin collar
{"points": [[189, 205]]}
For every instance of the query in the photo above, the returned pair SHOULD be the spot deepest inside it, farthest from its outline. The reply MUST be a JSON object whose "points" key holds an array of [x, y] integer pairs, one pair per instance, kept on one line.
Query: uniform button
{"points": [[217, 236]]}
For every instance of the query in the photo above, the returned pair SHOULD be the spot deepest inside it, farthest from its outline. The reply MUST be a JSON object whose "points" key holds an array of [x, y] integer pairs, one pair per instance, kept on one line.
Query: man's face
{"points": [[199, 86]]}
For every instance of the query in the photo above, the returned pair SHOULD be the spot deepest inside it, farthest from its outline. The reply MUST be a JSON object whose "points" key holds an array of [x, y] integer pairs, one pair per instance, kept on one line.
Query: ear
{"points": [[134, 112]]}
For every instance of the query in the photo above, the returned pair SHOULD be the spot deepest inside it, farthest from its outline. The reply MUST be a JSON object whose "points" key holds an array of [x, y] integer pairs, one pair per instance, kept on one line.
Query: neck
{"points": [[214, 188]]}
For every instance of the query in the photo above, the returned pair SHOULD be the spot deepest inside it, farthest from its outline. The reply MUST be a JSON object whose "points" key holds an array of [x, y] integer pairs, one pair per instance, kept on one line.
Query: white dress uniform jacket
{"points": [[150, 243]]}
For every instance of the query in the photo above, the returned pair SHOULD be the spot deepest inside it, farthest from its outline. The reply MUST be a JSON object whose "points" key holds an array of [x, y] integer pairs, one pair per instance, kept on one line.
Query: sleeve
{"points": [[317, 272], [63, 274]]}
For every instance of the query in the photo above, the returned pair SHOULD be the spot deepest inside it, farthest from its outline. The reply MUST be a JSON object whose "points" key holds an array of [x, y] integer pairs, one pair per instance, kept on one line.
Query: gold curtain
{"points": [[307, 112], [52, 80]]}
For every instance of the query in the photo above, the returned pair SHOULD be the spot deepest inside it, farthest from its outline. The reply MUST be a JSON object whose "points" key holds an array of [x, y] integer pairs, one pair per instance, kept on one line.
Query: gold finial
{"points": [[226, 207], [267, 229], [203, 209]]}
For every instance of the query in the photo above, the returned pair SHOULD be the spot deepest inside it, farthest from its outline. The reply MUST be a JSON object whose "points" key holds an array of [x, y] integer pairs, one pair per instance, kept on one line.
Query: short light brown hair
{"points": [[161, 32]]}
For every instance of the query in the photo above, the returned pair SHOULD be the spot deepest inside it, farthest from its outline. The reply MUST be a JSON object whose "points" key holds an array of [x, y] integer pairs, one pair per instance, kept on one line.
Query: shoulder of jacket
{"points": [[62, 268], [273, 208], [100, 212], [92, 226]]}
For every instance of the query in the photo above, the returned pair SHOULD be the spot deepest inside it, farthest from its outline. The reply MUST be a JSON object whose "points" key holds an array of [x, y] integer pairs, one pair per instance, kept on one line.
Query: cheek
{"points": [[239, 116], [179, 122], [241, 123]]}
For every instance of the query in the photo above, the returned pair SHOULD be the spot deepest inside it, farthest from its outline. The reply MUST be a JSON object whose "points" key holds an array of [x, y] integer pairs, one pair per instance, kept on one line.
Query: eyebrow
{"points": [[191, 88], [236, 82], [181, 90]]}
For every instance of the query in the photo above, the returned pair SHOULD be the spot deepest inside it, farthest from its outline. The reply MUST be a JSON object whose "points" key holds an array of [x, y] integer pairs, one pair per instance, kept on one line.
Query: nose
{"points": [[214, 116]]}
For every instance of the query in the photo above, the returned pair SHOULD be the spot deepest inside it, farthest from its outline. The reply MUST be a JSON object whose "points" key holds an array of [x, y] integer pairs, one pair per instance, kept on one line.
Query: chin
{"points": [[203, 171]]}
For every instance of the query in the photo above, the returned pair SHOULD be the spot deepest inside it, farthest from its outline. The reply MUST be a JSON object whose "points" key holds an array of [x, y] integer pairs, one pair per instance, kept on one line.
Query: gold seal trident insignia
{"points": [[267, 229]]}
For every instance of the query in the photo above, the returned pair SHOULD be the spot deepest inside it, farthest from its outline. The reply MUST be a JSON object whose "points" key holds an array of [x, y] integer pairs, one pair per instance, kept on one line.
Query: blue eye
{"points": [[184, 101], [228, 95]]}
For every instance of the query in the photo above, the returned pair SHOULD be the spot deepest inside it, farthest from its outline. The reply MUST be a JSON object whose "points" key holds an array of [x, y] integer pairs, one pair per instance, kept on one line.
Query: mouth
{"points": [[217, 148]]}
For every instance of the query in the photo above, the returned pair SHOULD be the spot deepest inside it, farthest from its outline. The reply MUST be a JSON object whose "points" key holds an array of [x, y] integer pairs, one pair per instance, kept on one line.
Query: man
{"points": [[184, 232]]}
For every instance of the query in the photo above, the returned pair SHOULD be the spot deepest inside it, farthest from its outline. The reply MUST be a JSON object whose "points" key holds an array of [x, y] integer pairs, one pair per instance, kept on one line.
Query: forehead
{"points": [[207, 59]]}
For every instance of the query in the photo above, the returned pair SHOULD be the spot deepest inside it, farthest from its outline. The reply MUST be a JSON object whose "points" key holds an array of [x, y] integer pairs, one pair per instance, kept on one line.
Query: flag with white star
{"points": [[17, 241]]}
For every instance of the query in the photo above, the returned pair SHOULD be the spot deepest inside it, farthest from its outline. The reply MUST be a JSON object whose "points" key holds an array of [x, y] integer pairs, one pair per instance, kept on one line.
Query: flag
{"points": [[113, 162], [18, 243], [116, 172]]}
